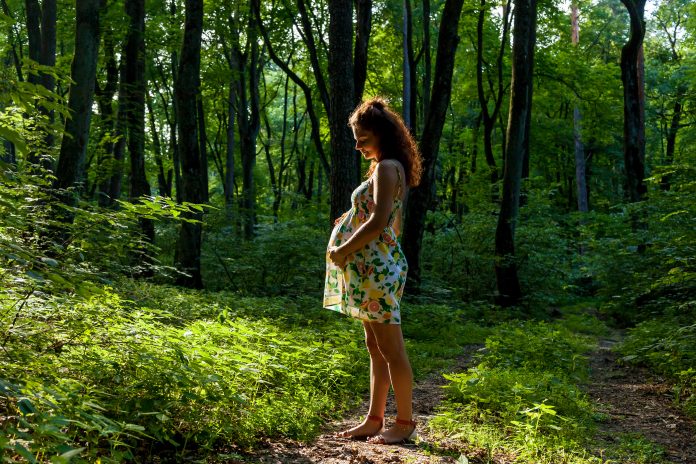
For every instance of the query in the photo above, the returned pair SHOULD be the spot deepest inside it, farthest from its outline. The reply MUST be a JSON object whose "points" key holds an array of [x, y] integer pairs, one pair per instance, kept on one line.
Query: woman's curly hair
{"points": [[395, 140]]}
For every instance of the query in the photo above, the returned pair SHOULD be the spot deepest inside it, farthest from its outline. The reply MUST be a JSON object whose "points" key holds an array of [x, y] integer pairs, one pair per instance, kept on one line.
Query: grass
{"points": [[156, 370]]}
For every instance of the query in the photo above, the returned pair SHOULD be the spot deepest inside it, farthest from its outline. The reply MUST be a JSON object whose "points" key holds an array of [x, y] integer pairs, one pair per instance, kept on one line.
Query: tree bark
{"points": [[420, 197], [634, 100], [162, 185], [362, 38], [105, 96], [343, 178], [83, 73], [229, 153], [135, 117], [410, 80], [41, 29], [427, 62], [509, 290], [579, 149], [249, 123], [187, 94]]}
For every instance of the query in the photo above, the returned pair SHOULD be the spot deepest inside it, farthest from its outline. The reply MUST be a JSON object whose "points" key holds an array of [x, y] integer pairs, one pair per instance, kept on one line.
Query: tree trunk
{"points": [[122, 133], [249, 122], [135, 118], [427, 65], [162, 186], [362, 38], [407, 61], [419, 198], [229, 158], [509, 291], [343, 178], [202, 141], [105, 97], [83, 71], [579, 149], [187, 94], [41, 29], [634, 98]]}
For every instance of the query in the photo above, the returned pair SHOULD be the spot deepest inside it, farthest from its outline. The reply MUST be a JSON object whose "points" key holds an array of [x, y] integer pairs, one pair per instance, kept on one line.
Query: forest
{"points": [[170, 171]]}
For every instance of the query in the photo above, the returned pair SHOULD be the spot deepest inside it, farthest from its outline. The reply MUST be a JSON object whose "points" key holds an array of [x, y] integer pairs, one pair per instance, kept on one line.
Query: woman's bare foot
{"points": [[401, 431], [371, 426]]}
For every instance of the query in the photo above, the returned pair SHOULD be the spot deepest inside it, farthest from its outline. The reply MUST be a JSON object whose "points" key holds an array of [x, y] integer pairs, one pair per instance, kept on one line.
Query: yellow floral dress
{"points": [[371, 284]]}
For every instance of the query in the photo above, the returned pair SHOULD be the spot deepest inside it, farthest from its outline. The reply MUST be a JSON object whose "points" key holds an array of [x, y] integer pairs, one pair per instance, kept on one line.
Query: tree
{"points": [[509, 291], [41, 28], [134, 84], [488, 117], [80, 96], [187, 94], [420, 197], [343, 173], [634, 102], [578, 149]]}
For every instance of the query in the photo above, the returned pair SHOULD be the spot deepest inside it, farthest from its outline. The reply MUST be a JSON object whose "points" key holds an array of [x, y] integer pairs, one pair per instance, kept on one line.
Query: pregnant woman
{"points": [[366, 268]]}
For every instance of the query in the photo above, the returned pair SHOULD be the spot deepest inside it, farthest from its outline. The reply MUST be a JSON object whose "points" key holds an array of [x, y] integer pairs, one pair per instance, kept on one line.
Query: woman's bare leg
{"points": [[379, 388], [391, 345]]}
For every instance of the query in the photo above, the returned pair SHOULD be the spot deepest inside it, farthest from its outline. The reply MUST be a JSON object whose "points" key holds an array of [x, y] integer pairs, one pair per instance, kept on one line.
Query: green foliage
{"points": [[109, 375], [523, 397]]}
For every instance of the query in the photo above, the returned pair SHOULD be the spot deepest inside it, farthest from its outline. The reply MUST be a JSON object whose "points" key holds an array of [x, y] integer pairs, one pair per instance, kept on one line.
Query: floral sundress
{"points": [[371, 284]]}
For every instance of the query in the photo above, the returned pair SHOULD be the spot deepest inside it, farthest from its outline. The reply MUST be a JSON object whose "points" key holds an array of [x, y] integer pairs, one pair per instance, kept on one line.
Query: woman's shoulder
{"points": [[388, 164]]}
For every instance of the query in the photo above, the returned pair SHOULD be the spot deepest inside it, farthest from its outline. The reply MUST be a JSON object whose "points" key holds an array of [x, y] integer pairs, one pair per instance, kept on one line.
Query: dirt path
{"points": [[327, 449], [635, 402]]}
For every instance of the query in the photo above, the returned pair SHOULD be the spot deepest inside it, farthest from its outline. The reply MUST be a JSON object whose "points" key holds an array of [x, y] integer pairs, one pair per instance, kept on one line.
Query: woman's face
{"points": [[366, 142]]}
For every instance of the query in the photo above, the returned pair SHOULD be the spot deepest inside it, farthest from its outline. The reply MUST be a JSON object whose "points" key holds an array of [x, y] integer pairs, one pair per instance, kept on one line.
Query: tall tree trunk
{"points": [[362, 38], [341, 82], [83, 73], [509, 291], [675, 121], [249, 122], [135, 116], [420, 197], [406, 68], [41, 28], [634, 98], [121, 132], [427, 62], [187, 94], [579, 149], [162, 186], [202, 141], [105, 97], [410, 92], [229, 158]]}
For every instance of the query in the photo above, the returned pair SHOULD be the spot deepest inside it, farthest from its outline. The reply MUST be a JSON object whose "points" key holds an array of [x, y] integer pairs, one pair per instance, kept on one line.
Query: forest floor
{"points": [[636, 405]]}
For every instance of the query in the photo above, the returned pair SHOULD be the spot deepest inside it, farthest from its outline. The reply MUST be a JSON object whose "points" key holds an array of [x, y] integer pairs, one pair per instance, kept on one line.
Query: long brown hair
{"points": [[395, 140]]}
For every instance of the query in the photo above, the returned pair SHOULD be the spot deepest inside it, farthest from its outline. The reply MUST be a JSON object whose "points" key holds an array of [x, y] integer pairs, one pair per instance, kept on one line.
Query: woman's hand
{"points": [[336, 257]]}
